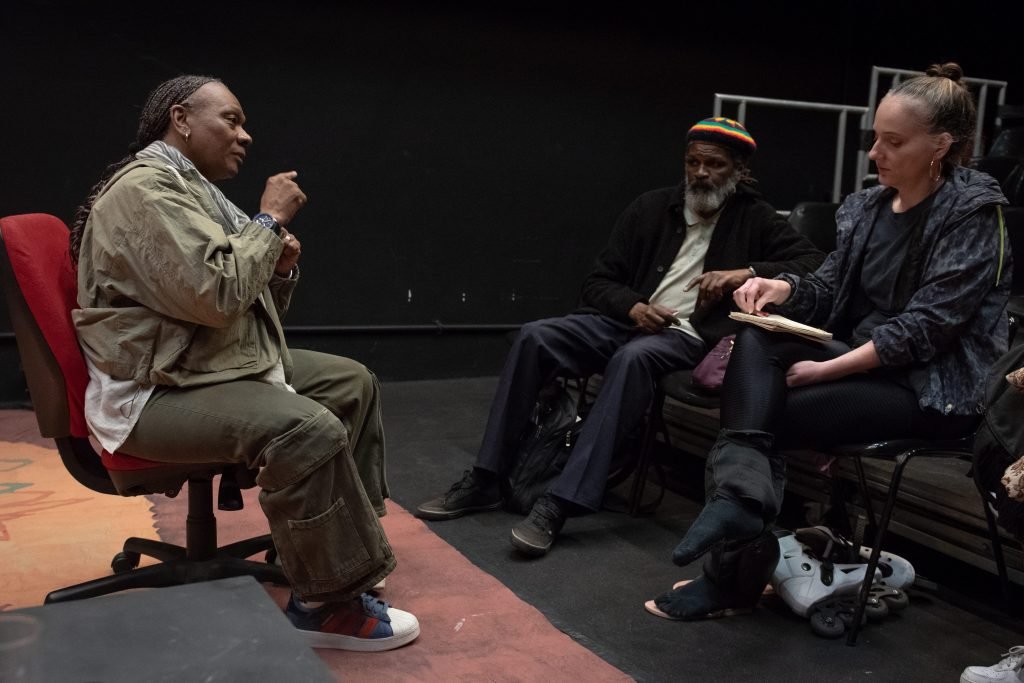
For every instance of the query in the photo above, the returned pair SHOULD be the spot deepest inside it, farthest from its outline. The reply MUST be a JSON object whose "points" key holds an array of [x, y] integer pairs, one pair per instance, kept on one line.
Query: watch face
{"points": [[266, 220]]}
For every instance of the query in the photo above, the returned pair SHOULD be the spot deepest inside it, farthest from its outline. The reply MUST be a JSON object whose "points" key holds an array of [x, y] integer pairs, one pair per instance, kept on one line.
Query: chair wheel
{"points": [[124, 562]]}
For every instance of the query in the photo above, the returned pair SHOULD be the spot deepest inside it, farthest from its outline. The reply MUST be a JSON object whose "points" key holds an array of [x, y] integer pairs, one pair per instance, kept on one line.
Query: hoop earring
{"points": [[187, 133], [938, 174]]}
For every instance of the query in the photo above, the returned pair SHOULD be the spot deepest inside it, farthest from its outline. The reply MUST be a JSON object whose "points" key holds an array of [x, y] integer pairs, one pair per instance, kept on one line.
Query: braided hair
{"points": [[153, 124]]}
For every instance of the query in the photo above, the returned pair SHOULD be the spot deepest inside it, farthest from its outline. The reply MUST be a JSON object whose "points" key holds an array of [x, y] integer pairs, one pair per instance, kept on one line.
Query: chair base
{"points": [[175, 568]]}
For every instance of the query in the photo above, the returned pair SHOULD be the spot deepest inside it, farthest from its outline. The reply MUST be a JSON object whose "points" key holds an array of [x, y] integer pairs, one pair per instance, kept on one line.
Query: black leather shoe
{"points": [[469, 494], [534, 535]]}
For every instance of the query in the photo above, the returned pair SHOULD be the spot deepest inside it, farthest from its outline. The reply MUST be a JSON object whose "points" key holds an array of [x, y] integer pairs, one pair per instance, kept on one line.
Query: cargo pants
{"points": [[320, 455]]}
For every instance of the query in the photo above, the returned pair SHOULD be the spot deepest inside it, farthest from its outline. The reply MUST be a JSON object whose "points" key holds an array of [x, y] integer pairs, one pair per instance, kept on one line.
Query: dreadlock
{"points": [[153, 123]]}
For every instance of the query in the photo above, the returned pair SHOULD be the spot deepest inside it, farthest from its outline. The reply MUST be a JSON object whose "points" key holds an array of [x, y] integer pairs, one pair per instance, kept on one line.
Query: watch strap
{"points": [[268, 222]]}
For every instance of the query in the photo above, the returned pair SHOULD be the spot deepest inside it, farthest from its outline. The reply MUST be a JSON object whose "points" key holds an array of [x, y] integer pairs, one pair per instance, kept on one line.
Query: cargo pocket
{"points": [[330, 546]]}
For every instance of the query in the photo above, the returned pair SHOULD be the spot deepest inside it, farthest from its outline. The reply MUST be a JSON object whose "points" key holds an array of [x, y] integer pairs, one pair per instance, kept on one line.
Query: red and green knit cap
{"points": [[728, 133]]}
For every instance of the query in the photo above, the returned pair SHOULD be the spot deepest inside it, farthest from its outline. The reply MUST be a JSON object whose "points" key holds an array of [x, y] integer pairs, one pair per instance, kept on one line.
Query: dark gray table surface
{"points": [[225, 630]]}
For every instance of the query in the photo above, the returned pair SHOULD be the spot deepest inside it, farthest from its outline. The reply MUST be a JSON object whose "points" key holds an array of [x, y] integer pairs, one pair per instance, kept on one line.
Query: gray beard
{"points": [[706, 202]]}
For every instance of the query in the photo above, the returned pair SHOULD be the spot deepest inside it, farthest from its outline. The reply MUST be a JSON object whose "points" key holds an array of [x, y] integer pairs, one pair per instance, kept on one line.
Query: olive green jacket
{"points": [[166, 296]]}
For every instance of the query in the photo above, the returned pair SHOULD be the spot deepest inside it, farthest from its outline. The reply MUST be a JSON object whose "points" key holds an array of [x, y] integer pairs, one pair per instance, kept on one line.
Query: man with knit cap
{"points": [[657, 299]]}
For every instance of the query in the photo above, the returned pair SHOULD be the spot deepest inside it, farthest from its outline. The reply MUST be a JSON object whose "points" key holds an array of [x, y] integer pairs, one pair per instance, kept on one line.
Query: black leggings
{"points": [[858, 408]]}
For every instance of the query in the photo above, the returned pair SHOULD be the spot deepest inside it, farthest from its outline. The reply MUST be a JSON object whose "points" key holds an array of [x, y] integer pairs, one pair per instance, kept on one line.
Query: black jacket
{"points": [[954, 327], [1000, 439], [649, 233]]}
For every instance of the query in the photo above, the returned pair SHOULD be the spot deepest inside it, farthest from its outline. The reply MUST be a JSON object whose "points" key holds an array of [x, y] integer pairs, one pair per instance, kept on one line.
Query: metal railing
{"points": [[983, 85], [844, 110]]}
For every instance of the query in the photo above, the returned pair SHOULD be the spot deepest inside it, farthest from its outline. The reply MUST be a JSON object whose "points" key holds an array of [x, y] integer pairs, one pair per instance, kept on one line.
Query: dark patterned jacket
{"points": [[649, 233], [954, 326]]}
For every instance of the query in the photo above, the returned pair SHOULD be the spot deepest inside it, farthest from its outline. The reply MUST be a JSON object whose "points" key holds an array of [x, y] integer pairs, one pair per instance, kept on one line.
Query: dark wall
{"points": [[463, 166]]}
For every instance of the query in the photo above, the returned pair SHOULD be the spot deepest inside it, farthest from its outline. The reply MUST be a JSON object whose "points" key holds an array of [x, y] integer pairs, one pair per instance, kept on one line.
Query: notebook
{"points": [[778, 323]]}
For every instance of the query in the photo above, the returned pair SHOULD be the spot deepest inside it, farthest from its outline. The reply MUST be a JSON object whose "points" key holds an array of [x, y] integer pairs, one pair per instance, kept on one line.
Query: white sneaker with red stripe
{"points": [[365, 624]]}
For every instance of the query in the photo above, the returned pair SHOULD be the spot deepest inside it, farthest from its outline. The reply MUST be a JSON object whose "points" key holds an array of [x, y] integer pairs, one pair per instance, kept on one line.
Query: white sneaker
{"points": [[364, 624], [1008, 670]]}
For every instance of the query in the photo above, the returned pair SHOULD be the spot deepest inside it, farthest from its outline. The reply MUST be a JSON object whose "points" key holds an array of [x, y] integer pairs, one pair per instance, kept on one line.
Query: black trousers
{"points": [[760, 415], [576, 346]]}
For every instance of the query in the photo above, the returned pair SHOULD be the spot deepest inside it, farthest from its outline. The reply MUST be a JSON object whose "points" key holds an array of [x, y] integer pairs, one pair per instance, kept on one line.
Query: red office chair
{"points": [[40, 285]]}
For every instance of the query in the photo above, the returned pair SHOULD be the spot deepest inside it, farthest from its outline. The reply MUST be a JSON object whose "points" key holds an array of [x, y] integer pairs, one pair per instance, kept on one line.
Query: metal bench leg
{"points": [[839, 508], [862, 481], [876, 549], [997, 545], [643, 466]]}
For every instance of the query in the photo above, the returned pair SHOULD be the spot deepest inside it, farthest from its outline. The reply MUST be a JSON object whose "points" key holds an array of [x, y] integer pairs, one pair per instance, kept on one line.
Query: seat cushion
{"points": [[123, 462], [136, 476]]}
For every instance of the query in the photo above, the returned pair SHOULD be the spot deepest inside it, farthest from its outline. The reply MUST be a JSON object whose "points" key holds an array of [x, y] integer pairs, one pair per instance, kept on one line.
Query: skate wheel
{"points": [[896, 600], [846, 608], [876, 609], [827, 625]]}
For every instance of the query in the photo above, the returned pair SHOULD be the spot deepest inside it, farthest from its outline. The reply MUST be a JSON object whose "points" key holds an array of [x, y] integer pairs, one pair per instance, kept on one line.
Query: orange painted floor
{"points": [[54, 532], [487, 613]]}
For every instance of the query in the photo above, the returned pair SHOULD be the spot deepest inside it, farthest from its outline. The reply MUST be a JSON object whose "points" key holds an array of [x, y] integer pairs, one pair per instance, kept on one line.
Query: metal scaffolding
{"points": [[982, 84], [842, 109], [867, 114]]}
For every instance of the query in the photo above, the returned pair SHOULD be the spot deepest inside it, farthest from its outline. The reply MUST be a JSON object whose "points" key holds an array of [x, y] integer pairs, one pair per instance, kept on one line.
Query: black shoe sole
{"points": [[527, 548], [443, 515]]}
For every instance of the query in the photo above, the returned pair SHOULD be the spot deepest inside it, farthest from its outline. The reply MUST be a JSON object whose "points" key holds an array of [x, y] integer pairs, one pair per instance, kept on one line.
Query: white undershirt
{"points": [[688, 264], [113, 406]]}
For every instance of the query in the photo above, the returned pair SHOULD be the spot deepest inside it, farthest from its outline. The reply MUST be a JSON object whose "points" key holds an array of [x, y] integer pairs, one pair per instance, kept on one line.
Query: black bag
{"points": [[545, 446], [1000, 440]]}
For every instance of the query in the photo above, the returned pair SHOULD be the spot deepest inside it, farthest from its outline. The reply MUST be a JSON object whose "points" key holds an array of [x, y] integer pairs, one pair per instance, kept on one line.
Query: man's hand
{"points": [[289, 257], [282, 197], [715, 284], [757, 292], [652, 318]]}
